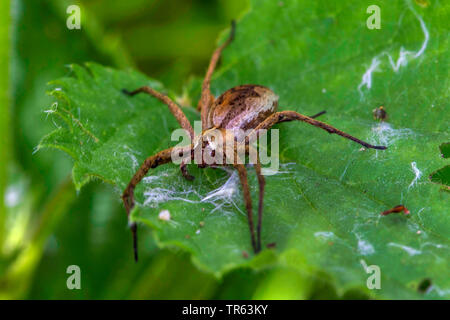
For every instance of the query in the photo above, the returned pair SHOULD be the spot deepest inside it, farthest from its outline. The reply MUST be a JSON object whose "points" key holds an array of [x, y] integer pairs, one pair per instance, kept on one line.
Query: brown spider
{"points": [[246, 107]]}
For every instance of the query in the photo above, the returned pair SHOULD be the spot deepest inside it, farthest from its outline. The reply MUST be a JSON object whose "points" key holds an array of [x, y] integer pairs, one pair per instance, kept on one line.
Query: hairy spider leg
{"points": [[261, 183], [285, 116], [151, 162], [242, 171], [183, 168], [318, 114], [207, 98], [173, 107]]}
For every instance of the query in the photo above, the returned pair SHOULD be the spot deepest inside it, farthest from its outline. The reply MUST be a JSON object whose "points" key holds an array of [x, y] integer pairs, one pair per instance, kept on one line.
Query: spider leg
{"points": [[184, 171], [248, 202], [285, 116], [207, 98], [151, 162], [173, 107], [200, 103], [261, 183], [318, 114]]}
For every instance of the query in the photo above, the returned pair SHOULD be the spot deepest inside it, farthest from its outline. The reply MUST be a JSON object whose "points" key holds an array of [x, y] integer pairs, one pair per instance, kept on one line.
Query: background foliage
{"points": [[314, 56]]}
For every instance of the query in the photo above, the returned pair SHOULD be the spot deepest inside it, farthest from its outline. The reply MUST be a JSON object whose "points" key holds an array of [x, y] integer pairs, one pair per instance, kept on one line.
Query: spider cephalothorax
{"points": [[229, 124]]}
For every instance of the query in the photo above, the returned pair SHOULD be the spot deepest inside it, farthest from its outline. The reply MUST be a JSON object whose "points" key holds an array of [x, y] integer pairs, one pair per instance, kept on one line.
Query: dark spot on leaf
{"points": [[424, 285]]}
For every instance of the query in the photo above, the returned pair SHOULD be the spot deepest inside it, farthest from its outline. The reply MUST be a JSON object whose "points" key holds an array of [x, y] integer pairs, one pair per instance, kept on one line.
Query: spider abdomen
{"points": [[242, 107]]}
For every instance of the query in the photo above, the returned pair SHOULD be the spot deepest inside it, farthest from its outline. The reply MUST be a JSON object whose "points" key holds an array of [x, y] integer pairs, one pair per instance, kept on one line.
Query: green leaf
{"points": [[323, 208], [445, 150], [442, 176]]}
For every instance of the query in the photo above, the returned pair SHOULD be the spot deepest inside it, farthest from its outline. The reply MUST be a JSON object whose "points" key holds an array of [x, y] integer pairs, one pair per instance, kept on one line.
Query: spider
{"points": [[246, 107]]}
